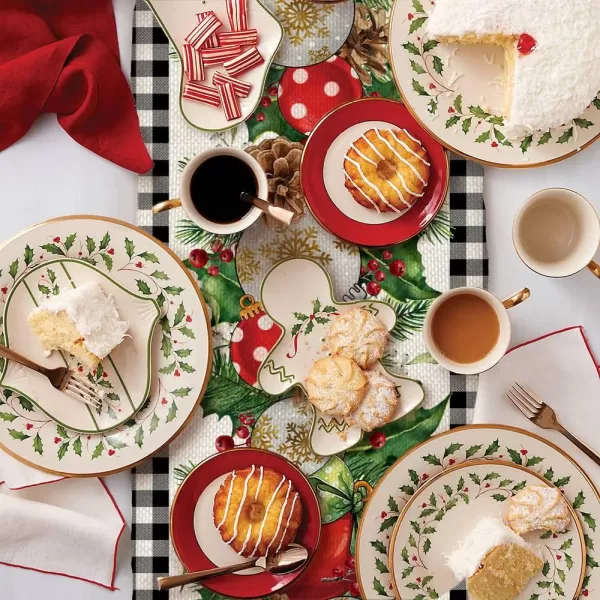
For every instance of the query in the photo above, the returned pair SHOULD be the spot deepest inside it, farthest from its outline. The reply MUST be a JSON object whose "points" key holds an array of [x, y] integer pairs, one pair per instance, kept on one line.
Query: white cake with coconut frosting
{"points": [[551, 48]]}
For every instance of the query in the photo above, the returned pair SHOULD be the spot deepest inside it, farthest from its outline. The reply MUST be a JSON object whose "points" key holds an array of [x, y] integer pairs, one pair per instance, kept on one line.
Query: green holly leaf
{"points": [[62, 450], [492, 448], [70, 241], [526, 143], [427, 545], [546, 569], [160, 275], [28, 255], [309, 327], [187, 332], [89, 261], [458, 105], [387, 523], [53, 249], [411, 541], [149, 257], [549, 474], [466, 125], [18, 435], [411, 48], [417, 24], [515, 456], [182, 392], [154, 423], [143, 287], [566, 544], [589, 520], [566, 136], [172, 411], [378, 587], [453, 120], [449, 491], [432, 106], [546, 535], [475, 478], [139, 436], [183, 353], [44, 289], [562, 482], [429, 530], [491, 477], [419, 88], [484, 137], [179, 315], [393, 505], [432, 499], [452, 449], [591, 563], [478, 112], [381, 566], [407, 572], [187, 368], [105, 241], [583, 123], [77, 446], [432, 460], [174, 290], [90, 244], [98, 450], [589, 542], [8, 417], [166, 346], [413, 476], [417, 68], [498, 497], [418, 6], [545, 138], [61, 431], [534, 460], [379, 546], [51, 275], [108, 261], [25, 404], [129, 247], [168, 369], [407, 489], [438, 65], [115, 442], [473, 450], [429, 45]]}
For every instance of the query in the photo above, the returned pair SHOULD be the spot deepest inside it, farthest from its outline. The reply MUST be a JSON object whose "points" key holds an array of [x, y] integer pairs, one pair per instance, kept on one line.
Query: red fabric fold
{"points": [[62, 56]]}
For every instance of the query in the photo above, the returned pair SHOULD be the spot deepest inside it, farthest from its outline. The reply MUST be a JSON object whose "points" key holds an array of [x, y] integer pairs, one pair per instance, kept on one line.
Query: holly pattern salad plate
{"points": [[152, 382], [456, 93], [439, 515], [472, 471]]}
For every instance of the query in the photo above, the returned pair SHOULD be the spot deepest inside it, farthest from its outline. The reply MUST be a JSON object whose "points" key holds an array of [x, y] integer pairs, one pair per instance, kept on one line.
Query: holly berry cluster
{"points": [[346, 573], [199, 257], [375, 272], [226, 442]]}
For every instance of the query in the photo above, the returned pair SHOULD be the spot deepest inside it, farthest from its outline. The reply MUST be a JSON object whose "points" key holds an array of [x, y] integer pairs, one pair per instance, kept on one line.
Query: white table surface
{"points": [[46, 175]]}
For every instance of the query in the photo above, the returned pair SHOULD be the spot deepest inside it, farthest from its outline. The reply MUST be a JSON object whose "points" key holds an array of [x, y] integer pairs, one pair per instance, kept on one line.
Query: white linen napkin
{"points": [[60, 526], [562, 371]]}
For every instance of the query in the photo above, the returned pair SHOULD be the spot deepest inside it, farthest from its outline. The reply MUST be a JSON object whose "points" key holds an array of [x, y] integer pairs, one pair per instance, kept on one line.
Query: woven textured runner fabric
{"points": [[452, 253]]}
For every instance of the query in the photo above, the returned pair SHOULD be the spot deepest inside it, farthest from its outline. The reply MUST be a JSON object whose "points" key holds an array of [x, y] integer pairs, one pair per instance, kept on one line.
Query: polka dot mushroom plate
{"points": [[323, 176], [297, 295]]}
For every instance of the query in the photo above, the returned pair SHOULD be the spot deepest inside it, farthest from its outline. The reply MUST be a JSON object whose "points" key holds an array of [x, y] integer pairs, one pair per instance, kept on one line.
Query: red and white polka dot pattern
{"points": [[307, 94]]}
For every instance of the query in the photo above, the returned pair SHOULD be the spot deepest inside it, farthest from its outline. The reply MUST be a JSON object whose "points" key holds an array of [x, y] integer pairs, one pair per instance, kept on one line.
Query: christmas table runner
{"points": [[409, 276]]}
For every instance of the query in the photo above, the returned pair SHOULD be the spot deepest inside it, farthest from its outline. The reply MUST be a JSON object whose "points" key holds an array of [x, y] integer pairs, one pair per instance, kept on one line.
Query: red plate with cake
{"points": [[372, 175], [239, 504]]}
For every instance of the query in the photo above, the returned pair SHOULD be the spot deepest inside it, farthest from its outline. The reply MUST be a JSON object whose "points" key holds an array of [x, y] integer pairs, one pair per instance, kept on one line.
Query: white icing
{"points": [[369, 183], [287, 523], [486, 535], [94, 315], [228, 501], [262, 525], [241, 505], [281, 513], [558, 80], [393, 133], [249, 533], [375, 206]]}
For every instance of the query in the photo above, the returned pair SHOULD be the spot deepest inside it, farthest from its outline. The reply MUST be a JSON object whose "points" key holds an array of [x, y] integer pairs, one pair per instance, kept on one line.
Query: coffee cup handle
{"points": [[594, 267], [516, 298], [166, 205]]}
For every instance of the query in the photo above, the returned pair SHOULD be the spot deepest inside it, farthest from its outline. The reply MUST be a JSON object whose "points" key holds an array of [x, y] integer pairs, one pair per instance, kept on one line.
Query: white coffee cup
{"points": [[502, 344], [556, 233], [185, 199]]}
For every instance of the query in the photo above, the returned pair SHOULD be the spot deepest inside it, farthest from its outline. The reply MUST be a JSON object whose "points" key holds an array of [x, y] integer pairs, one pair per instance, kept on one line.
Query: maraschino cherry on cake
{"points": [[551, 53]]}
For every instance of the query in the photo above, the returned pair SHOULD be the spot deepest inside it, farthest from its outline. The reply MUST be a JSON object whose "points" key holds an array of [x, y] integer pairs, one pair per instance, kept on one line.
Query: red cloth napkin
{"points": [[62, 56]]}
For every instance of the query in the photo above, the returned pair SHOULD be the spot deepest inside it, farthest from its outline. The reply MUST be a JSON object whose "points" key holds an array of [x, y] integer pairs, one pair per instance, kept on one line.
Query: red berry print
{"points": [[265, 102], [111, 251], [451, 110], [273, 90], [373, 265], [526, 44], [410, 16], [524, 452], [213, 271], [487, 485], [559, 557], [242, 432], [226, 255], [138, 265], [383, 514], [424, 477], [217, 245], [377, 439], [56, 240], [351, 563], [466, 490], [224, 442], [188, 319], [80, 254], [105, 374], [379, 275], [373, 288], [4, 290], [363, 272], [177, 373], [260, 117], [418, 580], [494, 144], [111, 452], [163, 401], [337, 571], [585, 593], [398, 268], [354, 589], [451, 461], [198, 258], [414, 558], [80, 369], [57, 440], [89, 437], [29, 426], [432, 86], [386, 255], [424, 505]]}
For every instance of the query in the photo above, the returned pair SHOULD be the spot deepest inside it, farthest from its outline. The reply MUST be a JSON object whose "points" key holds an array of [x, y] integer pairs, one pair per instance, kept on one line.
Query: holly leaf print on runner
{"points": [[334, 486]]}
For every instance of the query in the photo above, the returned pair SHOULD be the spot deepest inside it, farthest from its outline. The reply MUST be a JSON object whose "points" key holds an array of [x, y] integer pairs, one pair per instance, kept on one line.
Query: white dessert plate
{"points": [[297, 294], [178, 18], [180, 354], [443, 511], [123, 377], [456, 93], [440, 454]]}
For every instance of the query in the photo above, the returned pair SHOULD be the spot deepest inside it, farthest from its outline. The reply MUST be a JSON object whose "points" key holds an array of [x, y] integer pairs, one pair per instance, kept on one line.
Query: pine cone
{"points": [[280, 160], [367, 44]]}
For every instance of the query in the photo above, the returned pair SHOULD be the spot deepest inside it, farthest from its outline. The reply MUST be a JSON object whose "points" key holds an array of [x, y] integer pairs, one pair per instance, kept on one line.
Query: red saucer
{"points": [[184, 539], [327, 212]]}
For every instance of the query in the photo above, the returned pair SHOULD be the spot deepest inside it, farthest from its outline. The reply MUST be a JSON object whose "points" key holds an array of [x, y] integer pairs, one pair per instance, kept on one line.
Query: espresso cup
{"points": [[556, 233], [502, 343], [185, 198]]}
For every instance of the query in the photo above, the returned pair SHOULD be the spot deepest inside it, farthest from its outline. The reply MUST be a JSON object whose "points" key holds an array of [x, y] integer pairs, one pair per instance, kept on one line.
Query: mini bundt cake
{"points": [[257, 511], [386, 170], [378, 405], [358, 335]]}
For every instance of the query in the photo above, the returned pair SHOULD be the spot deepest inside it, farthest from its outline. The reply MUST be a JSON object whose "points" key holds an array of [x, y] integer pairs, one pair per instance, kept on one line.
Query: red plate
{"points": [[323, 158], [182, 521]]}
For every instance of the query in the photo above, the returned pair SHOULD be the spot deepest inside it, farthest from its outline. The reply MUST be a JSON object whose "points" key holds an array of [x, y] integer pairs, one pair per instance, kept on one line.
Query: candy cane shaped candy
{"points": [[200, 34], [192, 64], [231, 105], [238, 38], [241, 88], [237, 13], [201, 93], [244, 62], [217, 56], [212, 41]]}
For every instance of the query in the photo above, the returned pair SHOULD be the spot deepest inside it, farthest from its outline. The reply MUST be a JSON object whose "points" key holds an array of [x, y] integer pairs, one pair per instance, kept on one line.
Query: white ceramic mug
{"points": [[502, 344], [556, 233], [185, 199]]}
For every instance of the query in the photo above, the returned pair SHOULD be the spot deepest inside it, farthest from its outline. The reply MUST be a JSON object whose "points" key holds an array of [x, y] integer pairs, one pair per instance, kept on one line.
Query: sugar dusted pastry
{"points": [[359, 335], [378, 405], [538, 507], [257, 511], [82, 321], [336, 385], [496, 562]]}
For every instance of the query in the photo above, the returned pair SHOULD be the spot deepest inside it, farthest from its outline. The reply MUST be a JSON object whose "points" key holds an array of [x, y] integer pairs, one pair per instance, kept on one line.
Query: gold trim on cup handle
{"points": [[166, 205], [594, 267], [517, 298]]}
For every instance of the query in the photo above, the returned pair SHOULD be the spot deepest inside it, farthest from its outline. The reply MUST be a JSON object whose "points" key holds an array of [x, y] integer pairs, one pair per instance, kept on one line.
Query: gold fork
{"points": [[544, 416], [61, 378]]}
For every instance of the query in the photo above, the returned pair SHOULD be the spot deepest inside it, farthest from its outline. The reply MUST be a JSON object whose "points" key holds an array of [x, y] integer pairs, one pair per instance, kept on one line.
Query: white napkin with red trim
{"points": [[562, 371], [68, 527]]}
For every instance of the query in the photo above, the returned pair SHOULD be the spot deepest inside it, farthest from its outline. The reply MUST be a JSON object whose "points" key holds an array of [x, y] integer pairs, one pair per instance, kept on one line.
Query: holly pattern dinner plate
{"points": [[180, 354], [489, 443], [455, 92], [432, 525]]}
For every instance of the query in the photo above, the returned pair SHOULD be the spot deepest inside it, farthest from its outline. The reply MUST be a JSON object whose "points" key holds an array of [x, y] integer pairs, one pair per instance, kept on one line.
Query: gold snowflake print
{"points": [[303, 19], [344, 246], [296, 243], [247, 265], [317, 56], [264, 433], [297, 447]]}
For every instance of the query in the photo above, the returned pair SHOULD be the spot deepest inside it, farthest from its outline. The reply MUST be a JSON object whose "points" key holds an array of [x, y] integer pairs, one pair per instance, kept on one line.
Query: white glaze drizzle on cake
{"points": [[241, 505], [249, 533], [557, 81], [281, 513], [369, 183], [228, 501], [262, 525], [287, 523], [363, 194]]}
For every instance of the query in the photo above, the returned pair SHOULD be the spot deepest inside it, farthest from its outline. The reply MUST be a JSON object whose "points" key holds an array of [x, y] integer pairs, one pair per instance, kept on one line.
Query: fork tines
{"points": [[524, 401], [82, 390]]}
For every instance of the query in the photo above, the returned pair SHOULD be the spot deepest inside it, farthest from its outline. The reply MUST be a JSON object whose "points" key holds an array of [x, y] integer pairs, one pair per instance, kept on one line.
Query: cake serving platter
{"points": [[197, 541], [322, 175], [180, 354], [438, 516], [440, 454], [297, 295], [123, 378], [456, 93]]}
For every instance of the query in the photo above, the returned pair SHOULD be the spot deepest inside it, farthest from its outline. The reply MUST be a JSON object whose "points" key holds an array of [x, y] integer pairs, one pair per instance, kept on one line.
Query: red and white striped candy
{"points": [[241, 88], [238, 38], [201, 93], [231, 104], [212, 41], [244, 62], [200, 34], [217, 56], [192, 64], [237, 13]]}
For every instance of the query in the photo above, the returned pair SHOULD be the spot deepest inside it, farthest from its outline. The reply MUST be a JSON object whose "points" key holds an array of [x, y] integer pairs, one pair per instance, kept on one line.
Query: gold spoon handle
{"points": [[167, 583]]}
